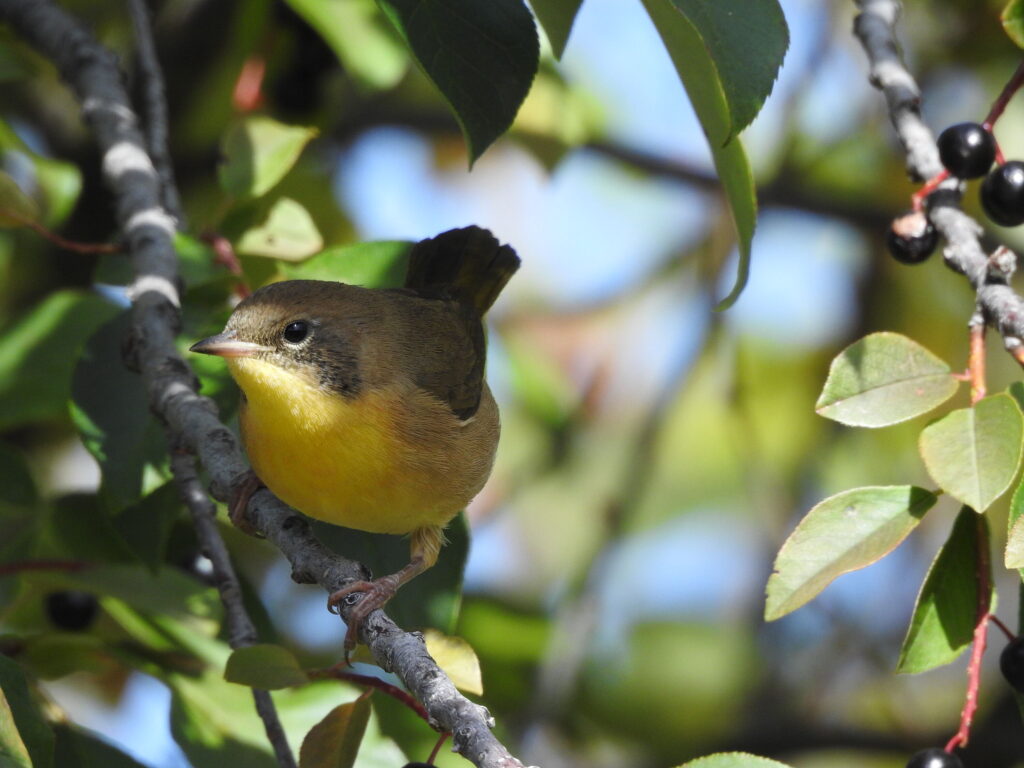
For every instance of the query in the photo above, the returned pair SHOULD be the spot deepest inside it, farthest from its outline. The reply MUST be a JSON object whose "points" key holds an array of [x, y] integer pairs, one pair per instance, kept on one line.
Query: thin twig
{"points": [[68, 245], [341, 672], [21, 566], [241, 630], [92, 73]]}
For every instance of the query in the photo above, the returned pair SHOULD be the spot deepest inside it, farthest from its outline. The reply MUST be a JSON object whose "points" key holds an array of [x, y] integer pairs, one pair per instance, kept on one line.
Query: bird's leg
{"points": [[426, 543], [240, 502]]}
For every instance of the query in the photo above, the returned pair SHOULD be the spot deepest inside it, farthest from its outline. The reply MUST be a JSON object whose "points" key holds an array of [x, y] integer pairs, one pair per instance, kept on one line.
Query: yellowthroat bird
{"points": [[367, 408]]}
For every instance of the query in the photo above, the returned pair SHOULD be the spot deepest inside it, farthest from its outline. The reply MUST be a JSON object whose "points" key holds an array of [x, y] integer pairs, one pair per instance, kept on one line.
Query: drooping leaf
{"points": [[19, 515], [481, 56], [360, 37], [38, 353], [288, 232], [334, 741], [76, 748], [843, 533], [110, 408], [457, 659], [947, 606], [557, 16], [733, 760], [258, 152], [13, 753], [33, 730], [1013, 21], [16, 208], [374, 265], [264, 666], [883, 379], [699, 73], [973, 453]]}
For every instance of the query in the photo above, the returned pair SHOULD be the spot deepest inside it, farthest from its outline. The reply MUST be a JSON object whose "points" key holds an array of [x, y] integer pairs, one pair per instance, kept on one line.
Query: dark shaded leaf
{"points": [[32, 727], [145, 525], [947, 606], [77, 748], [481, 56]]}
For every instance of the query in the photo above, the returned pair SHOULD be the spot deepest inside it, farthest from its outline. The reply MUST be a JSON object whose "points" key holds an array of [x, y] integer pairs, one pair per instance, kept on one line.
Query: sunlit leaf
{"points": [[33, 730], [457, 659], [843, 533], [360, 37], [16, 208], [481, 56], [334, 741], [947, 606], [733, 760], [13, 753], [557, 16], [883, 379], [698, 70], [1015, 533], [1013, 21], [374, 265], [264, 666], [288, 232], [973, 453], [258, 152]]}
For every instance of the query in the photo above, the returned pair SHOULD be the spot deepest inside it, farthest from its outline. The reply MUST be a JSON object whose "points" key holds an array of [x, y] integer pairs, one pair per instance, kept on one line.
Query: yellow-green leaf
{"points": [[973, 453], [457, 659], [258, 152], [287, 233], [16, 208], [1013, 21], [733, 760], [265, 666], [334, 741]]}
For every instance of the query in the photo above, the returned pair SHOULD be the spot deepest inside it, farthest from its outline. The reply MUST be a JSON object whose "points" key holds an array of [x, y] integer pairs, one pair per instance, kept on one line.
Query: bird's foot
{"points": [[240, 503], [371, 595]]}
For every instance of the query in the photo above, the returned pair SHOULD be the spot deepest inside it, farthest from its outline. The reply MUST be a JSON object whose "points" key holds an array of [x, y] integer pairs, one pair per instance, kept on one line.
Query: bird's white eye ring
{"points": [[296, 333]]}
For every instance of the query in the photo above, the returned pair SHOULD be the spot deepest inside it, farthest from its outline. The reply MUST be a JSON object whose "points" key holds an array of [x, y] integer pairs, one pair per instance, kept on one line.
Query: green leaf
{"points": [[257, 153], [264, 666], [883, 379], [56, 184], [13, 753], [374, 265], [79, 749], [432, 599], [17, 488], [110, 408], [699, 73], [38, 353], [360, 37], [973, 453], [947, 606], [288, 233], [1015, 531], [843, 533], [334, 741], [146, 525], [1013, 21], [33, 730], [16, 208], [733, 760], [481, 56], [20, 517], [557, 16]]}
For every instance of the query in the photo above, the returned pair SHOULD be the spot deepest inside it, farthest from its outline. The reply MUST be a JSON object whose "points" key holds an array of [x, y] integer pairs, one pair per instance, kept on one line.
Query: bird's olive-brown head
{"points": [[310, 328]]}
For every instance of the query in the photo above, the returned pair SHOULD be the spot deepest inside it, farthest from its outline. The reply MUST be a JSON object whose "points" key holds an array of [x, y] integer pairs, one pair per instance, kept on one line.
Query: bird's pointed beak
{"points": [[228, 344]]}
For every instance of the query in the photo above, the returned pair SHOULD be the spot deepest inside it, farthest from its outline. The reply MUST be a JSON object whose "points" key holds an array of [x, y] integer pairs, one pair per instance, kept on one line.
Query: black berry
{"points": [[967, 150], [71, 610], [934, 758], [912, 238], [1002, 194], [1011, 663]]}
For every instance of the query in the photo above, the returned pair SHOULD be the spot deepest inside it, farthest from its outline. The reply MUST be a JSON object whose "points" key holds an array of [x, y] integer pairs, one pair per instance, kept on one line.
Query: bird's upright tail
{"points": [[467, 264]]}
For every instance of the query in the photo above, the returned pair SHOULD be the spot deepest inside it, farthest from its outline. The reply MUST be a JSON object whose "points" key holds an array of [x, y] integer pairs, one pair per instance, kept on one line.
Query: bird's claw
{"points": [[364, 597]]}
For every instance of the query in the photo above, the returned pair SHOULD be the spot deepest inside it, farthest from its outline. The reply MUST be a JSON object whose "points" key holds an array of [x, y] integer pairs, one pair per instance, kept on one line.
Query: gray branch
{"points": [[1001, 307], [92, 73]]}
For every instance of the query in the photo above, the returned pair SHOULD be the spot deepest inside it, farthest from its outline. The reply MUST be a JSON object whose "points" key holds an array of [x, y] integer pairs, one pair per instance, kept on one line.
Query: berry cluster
{"points": [[967, 151]]}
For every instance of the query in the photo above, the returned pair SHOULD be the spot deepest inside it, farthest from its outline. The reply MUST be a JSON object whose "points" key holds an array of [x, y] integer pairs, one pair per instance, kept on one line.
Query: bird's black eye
{"points": [[296, 332]]}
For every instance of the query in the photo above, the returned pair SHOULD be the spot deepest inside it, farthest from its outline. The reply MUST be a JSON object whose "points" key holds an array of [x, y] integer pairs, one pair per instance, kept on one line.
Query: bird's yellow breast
{"points": [[389, 460]]}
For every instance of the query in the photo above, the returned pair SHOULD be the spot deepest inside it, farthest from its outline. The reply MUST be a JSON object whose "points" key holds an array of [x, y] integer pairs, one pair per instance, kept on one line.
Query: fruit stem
{"points": [[437, 747], [976, 358], [999, 105], [1005, 629], [918, 198], [984, 582]]}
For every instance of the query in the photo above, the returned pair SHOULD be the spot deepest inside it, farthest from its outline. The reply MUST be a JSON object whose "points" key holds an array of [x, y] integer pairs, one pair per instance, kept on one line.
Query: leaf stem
{"points": [[60, 242], [999, 105], [976, 358], [20, 566], [338, 672]]}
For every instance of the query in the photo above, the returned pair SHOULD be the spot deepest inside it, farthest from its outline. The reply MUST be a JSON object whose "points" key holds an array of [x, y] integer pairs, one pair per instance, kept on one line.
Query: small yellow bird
{"points": [[367, 408]]}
